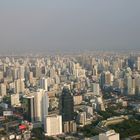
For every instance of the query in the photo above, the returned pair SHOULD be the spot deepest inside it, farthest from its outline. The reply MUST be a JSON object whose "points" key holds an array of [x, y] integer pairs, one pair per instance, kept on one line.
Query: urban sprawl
{"points": [[84, 96]]}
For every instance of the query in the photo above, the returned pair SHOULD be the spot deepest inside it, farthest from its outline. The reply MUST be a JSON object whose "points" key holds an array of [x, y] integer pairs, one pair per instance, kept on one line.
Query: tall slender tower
{"points": [[66, 105]]}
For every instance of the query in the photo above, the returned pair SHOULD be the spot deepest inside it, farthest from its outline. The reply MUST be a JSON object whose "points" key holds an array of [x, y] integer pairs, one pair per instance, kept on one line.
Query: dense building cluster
{"points": [[64, 93]]}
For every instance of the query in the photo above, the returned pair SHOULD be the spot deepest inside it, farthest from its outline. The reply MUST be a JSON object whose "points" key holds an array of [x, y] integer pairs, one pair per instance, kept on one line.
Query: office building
{"points": [[41, 105], [66, 105], [29, 107]]}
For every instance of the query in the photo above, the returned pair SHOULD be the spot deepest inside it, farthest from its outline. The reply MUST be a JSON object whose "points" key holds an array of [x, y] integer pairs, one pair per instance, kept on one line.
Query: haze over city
{"points": [[69, 25], [70, 70]]}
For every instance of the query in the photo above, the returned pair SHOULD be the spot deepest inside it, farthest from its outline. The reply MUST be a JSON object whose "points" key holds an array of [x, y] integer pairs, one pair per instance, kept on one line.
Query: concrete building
{"points": [[1, 75], [41, 105], [99, 103], [109, 135], [81, 118], [95, 88], [53, 125], [15, 99], [69, 127], [130, 85], [108, 78], [77, 99], [2, 89], [21, 72], [44, 83], [19, 86]]}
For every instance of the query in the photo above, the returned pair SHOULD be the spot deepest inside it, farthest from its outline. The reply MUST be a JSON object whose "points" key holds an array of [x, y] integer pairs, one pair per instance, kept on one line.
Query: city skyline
{"points": [[70, 96], [69, 69]]}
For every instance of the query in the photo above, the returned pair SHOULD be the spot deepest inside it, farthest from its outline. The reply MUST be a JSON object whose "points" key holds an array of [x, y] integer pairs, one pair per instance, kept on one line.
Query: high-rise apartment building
{"points": [[21, 72], [2, 89], [41, 105], [130, 85], [44, 83], [95, 88], [69, 126], [19, 86], [15, 99], [53, 125]]}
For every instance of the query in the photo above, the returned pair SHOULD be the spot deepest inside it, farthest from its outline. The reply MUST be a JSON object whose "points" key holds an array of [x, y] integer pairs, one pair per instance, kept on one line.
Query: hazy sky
{"points": [[69, 25]]}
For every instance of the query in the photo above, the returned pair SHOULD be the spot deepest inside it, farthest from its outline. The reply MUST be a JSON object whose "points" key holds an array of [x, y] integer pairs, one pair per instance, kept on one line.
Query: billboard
{"points": [[7, 113]]}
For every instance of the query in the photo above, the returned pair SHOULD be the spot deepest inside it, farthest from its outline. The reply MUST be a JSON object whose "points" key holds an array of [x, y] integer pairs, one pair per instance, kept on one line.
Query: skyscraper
{"points": [[21, 72], [28, 106], [35, 106], [44, 83], [130, 85], [66, 105], [102, 80]]}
